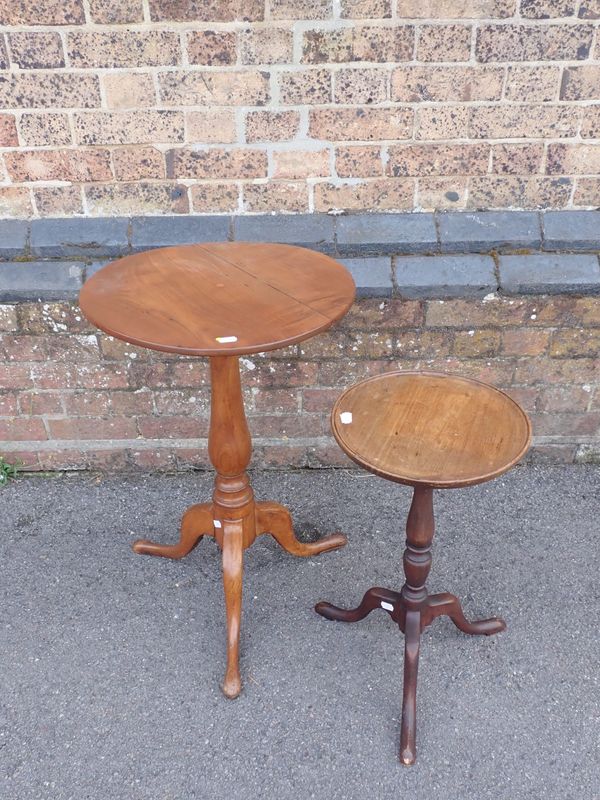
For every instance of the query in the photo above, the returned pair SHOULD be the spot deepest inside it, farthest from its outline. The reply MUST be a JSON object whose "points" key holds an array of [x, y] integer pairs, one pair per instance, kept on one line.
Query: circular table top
{"points": [[225, 298], [430, 429]]}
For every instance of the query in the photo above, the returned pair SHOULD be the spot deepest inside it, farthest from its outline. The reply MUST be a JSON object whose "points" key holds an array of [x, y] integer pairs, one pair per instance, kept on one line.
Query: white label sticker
{"points": [[226, 339], [387, 606], [217, 523], [346, 417]]}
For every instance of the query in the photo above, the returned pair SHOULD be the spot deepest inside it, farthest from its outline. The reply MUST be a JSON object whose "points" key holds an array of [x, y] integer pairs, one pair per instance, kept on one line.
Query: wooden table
{"points": [[223, 301]]}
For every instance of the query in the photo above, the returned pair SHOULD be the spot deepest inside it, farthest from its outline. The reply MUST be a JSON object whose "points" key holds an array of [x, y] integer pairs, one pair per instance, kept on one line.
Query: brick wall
{"points": [[74, 398], [119, 107]]}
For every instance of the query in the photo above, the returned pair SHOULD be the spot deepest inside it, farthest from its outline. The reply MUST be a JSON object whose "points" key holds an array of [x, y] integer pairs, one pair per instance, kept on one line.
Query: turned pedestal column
{"points": [[222, 301]]}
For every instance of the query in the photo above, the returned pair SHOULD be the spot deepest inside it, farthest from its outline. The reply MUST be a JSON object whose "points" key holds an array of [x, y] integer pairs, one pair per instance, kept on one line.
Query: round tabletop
{"points": [[430, 429], [225, 298]]}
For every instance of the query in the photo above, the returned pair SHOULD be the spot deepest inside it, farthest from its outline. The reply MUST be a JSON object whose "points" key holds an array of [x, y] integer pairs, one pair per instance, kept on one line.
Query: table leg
{"points": [[276, 520]]}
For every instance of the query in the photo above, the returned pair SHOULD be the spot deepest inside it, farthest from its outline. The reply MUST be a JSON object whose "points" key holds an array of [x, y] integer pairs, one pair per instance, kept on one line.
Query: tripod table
{"points": [[223, 300]]}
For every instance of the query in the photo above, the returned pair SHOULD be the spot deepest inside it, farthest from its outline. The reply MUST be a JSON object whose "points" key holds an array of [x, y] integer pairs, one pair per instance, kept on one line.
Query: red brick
{"points": [[15, 202], [288, 425], [423, 344], [360, 86], [33, 404], [346, 372], [270, 455], [129, 127], [469, 314], [300, 9], [210, 88], [93, 428], [15, 376], [301, 163], [359, 161], [17, 347], [210, 198], [168, 375], [565, 399], [21, 429], [173, 427], [42, 318], [195, 402], [391, 194], [571, 343], [271, 126], [275, 400], [358, 43], [526, 397], [305, 87], [87, 404], [162, 458], [8, 404], [320, 400], [58, 201], [116, 12], [481, 343], [47, 375], [384, 315], [525, 342], [533, 43], [277, 196], [557, 370], [123, 199], [24, 460], [438, 159], [444, 43], [269, 45], [362, 124], [42, 90], [135, 163], [8, 318], [566, 424], [447, 83]]}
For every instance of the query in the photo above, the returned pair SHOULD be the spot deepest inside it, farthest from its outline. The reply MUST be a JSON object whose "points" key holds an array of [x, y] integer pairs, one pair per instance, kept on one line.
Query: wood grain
{"points": [[430, 429], [253, 297]]}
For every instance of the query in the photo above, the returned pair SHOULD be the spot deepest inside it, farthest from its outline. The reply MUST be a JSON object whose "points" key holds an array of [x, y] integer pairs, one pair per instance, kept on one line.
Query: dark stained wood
{"points": [[218, 299], [183, 300], [422, 429], [430, 429]]}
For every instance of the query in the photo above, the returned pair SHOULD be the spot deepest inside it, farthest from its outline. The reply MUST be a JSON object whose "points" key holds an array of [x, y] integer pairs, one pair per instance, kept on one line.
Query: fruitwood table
{"points": [[223, 301], [430, 431]]}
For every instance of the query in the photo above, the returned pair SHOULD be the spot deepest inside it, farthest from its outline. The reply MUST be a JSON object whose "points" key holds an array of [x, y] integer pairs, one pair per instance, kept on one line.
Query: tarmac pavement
{"points": [[110, 663]]}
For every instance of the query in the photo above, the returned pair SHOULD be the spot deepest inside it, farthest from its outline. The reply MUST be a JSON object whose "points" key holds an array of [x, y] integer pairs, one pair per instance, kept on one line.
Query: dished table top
{"points": [[225, 298], [430, 429]]}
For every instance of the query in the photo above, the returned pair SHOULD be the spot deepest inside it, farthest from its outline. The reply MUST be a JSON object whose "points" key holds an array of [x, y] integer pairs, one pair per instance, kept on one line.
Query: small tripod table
{"points": [[429, 431], [223, 301]]}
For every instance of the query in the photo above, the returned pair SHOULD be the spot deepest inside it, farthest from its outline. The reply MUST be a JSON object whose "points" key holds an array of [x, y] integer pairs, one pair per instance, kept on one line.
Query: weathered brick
{"points": [[589, 9], [590, 123], [211, 198], [533, 43], [131, 90], [360, 86], [477, 344], [212, 48], [580, 83], [523, 121], [358, 161], [138, 163], [8, 404], [123, 199], [276, 196], [41, 90], [52, 165], [211, 126], [172, 427], [274, 126], [158, 459], [129, 127], [524, 342], [179, 401], [455, 83], [517, 159], [300, 9], [358, 43], [22, 429], [45, 318], [442, 122], [570, 343], [507, 191], [268, 45], [22, 347], [557, 370], [441, 193], [462, 314], [360, 124], [15, 203], [214, 88], [444, 43], [8, 131], [58, 201], [565, 424], [123, 48], [207, 10], [423, 344], [15, 376], [8, 318], [391, 194], [300, 164], [369, 9], [93, 428], [116, 12], [44, 129], [587, 192], [305, 87], [576, 159], [438, 159], [525, 83], [36, 50], [564, 398], [456, 9], [548, 9], [217, 163], [55, 12], [87, 404], [384, 315]]}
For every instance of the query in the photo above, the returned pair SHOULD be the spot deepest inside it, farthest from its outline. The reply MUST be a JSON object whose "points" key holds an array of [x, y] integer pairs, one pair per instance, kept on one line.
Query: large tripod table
{"points": [[223, 300]]}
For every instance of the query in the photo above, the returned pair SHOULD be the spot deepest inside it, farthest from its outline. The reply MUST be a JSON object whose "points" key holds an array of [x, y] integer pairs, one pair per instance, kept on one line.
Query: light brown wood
{"points": [[223, 300], [218, 299], [430, 429]]}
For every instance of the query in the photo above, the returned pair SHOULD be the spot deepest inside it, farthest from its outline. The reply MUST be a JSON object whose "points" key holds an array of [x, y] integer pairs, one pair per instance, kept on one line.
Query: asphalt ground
{"points": [[110, 663]]}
